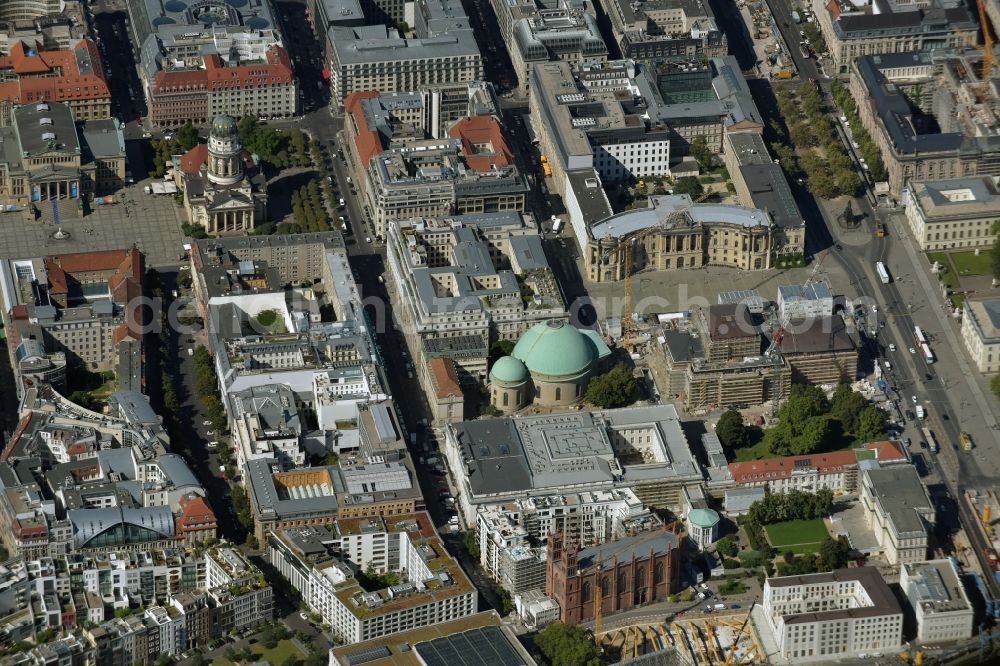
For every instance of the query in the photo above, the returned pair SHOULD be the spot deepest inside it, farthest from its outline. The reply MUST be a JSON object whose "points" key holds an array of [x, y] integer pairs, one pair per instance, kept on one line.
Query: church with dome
{"points": [[224, 191], [549, 367]]}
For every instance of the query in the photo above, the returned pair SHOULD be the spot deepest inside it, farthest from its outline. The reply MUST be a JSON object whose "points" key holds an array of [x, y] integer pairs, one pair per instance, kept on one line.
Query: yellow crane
{"points": [[625, 245], [989, 58], [710, 630], [736, 638]]}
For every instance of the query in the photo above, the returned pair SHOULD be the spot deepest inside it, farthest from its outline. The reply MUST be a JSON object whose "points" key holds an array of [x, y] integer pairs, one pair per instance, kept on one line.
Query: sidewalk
{"points": [[986, 412]]}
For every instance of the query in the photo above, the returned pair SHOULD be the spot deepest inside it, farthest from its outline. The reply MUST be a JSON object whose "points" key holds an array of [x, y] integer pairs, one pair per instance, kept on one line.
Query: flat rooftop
{"points": [[551, 451], [477, 639], [936, 587], [902, 496], [984, 315]]}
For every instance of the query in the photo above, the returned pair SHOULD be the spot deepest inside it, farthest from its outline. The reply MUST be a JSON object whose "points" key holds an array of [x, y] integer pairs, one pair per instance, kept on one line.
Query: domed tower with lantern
{"points": [[224, 191]]}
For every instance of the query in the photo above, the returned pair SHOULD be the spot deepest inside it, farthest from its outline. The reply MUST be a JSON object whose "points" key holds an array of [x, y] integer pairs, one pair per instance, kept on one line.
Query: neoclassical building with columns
{"points": [[224, 192]]}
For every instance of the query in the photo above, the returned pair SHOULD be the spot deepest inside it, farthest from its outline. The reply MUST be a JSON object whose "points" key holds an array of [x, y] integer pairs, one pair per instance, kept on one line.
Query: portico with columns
{"points": [[219, 195]]}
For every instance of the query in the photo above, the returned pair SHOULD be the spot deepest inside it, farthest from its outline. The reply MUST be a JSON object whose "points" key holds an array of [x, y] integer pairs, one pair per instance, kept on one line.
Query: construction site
{"points": [[715, 639]]}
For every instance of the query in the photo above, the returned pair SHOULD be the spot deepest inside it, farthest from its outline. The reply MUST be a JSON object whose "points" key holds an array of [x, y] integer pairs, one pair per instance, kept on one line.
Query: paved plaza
{"points": [[151, 222]]}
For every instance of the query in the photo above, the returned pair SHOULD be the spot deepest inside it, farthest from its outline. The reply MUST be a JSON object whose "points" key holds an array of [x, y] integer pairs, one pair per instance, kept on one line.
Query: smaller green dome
{"points": [[704, 518], [508, 369]]}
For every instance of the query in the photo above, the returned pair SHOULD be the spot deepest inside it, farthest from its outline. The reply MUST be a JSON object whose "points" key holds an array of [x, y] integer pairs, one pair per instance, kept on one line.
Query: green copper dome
{"points": [[704, 518], [509, 370], [223, 126], [555, 348]]}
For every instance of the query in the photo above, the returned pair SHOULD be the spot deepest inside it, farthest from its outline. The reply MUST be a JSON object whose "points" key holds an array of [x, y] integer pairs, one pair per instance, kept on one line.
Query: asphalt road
{"points": [[911, 375]]}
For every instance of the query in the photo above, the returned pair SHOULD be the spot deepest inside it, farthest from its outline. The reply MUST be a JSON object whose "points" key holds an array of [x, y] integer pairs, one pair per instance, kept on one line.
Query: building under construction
{"points": [[716, 640], [820, 351], [715, 359]]}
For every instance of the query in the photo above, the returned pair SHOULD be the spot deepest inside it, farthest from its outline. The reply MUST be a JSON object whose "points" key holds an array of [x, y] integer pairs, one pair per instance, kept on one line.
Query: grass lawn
{"points": [[967, 263], [755, 452], [798, 536], [281, 652], [950, 275]]}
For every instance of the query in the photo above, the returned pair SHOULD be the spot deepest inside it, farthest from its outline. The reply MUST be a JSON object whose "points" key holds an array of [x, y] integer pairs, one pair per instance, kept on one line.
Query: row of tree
{"points": [[866, 145], [791, 505], [827, 167]]}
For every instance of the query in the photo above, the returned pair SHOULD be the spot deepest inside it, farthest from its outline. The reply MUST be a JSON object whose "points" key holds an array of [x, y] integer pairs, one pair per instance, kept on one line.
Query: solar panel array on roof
{"points": [[475, 647], [368, 654]]}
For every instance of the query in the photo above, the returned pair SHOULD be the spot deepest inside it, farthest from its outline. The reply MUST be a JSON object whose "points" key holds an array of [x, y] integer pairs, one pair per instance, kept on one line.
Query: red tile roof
{"points": [[195, 515], [367, 141], [781, 468], [217, 76], [483, 144], [445, 377], [192, 160], [887, 450], [52, 75]]}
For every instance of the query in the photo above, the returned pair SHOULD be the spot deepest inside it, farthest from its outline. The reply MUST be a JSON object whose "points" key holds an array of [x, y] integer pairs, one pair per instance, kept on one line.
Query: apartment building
{"points": [[375, 57], [194, 68], [981, 332], [535, 34], [265, 423], [926, 116], [937, 595], [510, 535], [655, 31], [955, 213], [405, 172], [240, 594], [842, 614], [899, 512], [78, 305], [887, 26], [32, 74], [470, 275], [430, 587]]}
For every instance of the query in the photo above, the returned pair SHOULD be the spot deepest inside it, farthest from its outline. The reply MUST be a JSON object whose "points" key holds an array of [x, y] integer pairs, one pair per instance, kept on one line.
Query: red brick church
{"points": [[634, 571]]}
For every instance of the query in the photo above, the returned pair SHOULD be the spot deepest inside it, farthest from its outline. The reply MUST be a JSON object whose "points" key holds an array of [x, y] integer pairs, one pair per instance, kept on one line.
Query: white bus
{"points": [[883, 274], [919, 335], [929, 438], [928, 354]]}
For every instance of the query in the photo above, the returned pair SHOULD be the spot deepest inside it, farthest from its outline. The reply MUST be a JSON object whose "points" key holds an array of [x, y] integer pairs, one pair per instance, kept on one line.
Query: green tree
{"points": [[186, 137], [689, 185], [995, 257], [615, 388], [568, 645], [731, 430], [812, 434], [846, 406], [499, 349], [870, 424], [848, 181], [699, 150], [471, 542], [506, 603], [727, 546], [834, 553]]}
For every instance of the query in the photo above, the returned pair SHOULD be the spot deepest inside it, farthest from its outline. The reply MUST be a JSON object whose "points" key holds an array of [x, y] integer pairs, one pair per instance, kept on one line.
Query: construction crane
{"points": [[625, 245], [736, 638], [989, 58]]}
